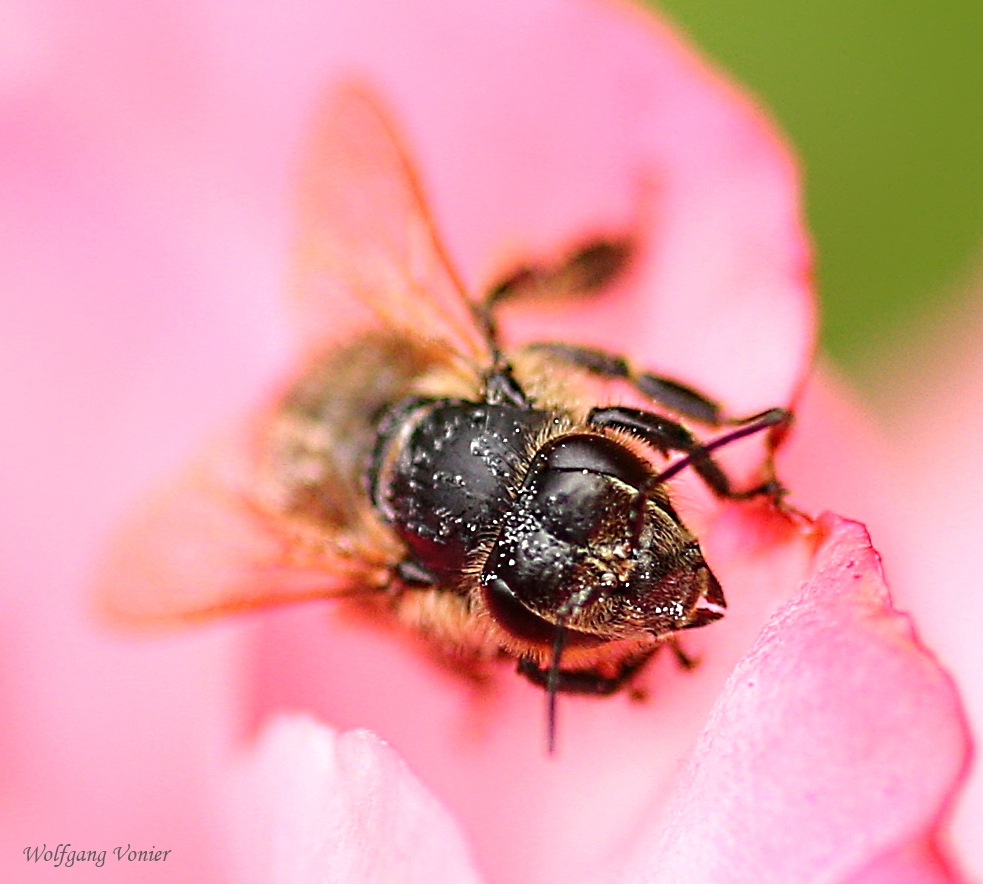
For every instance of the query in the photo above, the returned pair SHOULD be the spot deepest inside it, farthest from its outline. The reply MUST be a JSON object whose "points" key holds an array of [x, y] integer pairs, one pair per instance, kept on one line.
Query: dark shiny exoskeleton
{"points": [[560, 532]]}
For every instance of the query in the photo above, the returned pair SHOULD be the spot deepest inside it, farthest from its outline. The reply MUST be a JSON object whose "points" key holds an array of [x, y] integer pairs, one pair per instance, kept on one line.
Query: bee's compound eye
{"points": [[567, 504], [595, 454]]}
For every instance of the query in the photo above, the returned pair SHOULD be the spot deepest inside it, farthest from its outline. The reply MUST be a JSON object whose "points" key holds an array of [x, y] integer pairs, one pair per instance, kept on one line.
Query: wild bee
{"points": [[475, 494]]}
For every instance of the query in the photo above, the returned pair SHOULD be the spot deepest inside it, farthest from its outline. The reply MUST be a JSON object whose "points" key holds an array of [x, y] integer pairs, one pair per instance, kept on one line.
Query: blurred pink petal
{"points": [[935, 420], [309, 805], [918, 862], [832, 752]]}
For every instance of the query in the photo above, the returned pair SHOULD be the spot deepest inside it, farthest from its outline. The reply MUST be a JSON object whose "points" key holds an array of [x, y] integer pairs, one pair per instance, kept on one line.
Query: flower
{"points": [[147, 307]]}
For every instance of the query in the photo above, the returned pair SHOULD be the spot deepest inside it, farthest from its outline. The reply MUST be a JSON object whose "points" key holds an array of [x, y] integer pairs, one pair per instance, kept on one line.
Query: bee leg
{"points": [[684, 660], [589, 268], [502, 387], [666, 435], [672, 395], [777, 420], [583, 681]]}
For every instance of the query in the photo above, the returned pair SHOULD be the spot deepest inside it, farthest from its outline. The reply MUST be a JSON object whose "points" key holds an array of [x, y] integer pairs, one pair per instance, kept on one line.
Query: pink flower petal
{"points": [[936, 426], [538, 124], [309, 806], [832, 752], [916, 485], [918, 862]]}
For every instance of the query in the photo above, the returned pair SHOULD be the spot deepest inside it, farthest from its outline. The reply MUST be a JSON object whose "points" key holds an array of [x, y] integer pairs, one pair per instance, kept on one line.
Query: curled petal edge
{"points": [[833, 752]]}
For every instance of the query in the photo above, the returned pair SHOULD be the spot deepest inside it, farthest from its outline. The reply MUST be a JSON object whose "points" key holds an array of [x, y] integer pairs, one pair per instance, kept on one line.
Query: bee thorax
{"points": [[444, 474]]}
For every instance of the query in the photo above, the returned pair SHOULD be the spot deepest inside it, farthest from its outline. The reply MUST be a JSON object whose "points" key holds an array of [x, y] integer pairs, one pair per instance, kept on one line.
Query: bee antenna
{"points": [[553, 682], [577, 602], [776, 416]]}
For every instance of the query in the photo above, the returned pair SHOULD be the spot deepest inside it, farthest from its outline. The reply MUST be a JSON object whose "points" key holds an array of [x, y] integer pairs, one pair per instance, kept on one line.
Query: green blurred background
{"points": [[883, 100]]}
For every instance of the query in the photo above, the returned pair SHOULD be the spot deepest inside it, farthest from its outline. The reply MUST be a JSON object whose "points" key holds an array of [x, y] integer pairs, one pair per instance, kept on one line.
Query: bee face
{"points": [[417, 459], [576, 527]]}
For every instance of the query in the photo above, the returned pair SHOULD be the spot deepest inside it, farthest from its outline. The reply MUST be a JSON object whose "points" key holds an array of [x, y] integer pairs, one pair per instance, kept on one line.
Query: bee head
{"points": [[592, 547]]}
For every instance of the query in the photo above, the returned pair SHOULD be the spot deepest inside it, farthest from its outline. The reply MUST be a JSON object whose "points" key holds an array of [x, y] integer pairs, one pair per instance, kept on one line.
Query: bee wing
{"points": [[367, 251], [205, 545], [366, 234]]}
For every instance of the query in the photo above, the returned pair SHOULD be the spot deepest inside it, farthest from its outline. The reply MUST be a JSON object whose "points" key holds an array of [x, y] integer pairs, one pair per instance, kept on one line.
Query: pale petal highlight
{"points": [[309, 805]]}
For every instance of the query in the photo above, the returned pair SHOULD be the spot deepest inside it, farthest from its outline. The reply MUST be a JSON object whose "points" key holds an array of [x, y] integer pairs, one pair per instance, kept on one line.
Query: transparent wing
{"points": [[368, 258], [366, 235], [205, 545]]}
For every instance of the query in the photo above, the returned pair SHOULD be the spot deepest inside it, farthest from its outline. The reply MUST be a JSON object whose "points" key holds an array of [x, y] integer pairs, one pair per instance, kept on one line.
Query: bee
{"points": [[474, 494]]}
